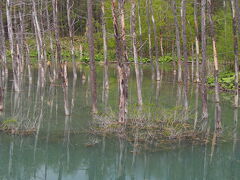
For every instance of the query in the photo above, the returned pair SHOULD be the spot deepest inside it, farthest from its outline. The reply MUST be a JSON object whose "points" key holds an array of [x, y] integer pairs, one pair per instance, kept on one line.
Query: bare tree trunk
{"points": [[140, 27], [184, 38], [2, 44], [122, 70], [155, 42], [177, 41], [225, 28], [204, 59], [123, 33], [91, 54], [216, 69], [104, 32], [39, 39], [135, 53], [196, 39], [161, 45], [25, 45], [71, 34], [192, 62], [235, 39], [12, 49], [53, 74], [149, 39], [58, 58]]}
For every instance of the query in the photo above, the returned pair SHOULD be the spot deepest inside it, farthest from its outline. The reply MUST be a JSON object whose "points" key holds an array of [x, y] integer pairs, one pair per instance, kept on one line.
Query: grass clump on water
{"points": [[149, 125]]}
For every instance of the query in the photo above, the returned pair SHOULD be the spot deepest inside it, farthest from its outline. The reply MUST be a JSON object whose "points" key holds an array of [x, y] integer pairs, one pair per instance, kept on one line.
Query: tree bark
{"points": [[91, 55], [204, 59], [179, 55]]}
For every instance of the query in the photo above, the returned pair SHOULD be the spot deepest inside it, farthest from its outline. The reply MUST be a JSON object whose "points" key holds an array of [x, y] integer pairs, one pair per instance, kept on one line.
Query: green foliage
{"points": [[166, 59], [226, 80]]}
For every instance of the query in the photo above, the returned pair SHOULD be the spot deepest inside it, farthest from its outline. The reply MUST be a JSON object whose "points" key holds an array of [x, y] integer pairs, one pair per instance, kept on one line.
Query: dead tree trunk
{"points": [[104, 32], [196, 39], [2, 44], [236, 51], [135, 53], [149, 38], [15, 64], [91, 55], [155, 42], [40, 48], [122, 70], [184, 38], [121, 5], [52, 65], [140, 27], [71, 34], [58, 57], [216, 69], [204, 59], [179, 55]]}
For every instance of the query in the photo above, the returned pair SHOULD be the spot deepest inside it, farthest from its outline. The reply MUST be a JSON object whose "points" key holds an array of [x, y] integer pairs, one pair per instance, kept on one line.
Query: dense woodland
{"points": [[199, 38]]}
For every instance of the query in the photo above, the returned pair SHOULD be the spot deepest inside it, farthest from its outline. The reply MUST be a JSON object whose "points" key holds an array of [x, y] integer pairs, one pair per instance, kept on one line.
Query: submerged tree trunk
{"points": [[179, 56], [135, 53], [104, 32], [196, 39], [122, 69], [65, 89], [155, 42], [2, 44], [216, 69], [71, 34], [236, 51], [204, 59], [91, 55]]}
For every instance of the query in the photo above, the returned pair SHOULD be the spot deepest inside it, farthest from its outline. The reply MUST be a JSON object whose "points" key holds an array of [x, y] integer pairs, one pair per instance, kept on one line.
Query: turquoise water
{"points": [[60, 149]]}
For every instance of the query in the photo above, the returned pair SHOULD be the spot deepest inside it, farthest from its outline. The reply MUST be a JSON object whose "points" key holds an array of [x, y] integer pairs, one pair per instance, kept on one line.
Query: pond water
{"points": [[60, 150]]}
